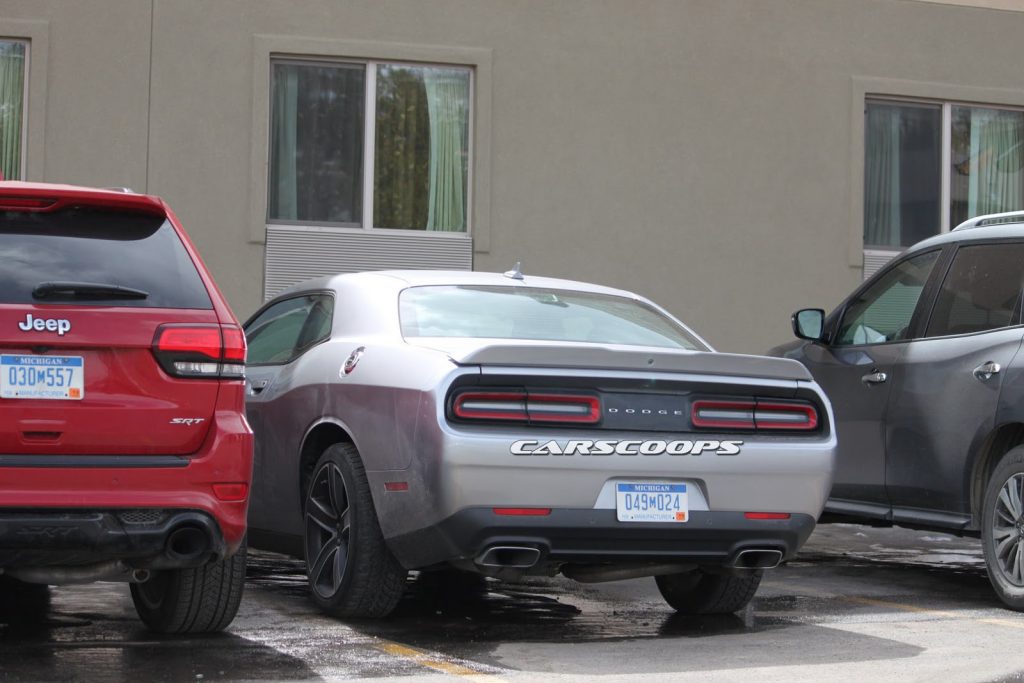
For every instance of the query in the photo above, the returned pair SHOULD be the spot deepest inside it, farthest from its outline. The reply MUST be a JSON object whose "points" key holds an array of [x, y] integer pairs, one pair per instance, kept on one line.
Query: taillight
{"points": [[204, 351], [755, 415], [524, 406], [26, 203]]}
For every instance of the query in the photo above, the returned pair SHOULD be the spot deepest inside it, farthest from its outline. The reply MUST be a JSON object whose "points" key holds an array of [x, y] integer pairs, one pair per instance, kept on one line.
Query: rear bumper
{"points": [[141, 538], [91, 491], [582, 536]]}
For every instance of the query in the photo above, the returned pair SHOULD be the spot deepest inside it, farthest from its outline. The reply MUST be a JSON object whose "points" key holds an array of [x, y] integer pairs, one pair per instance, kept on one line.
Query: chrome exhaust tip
{"points": [[508, 557], [757, 558]]}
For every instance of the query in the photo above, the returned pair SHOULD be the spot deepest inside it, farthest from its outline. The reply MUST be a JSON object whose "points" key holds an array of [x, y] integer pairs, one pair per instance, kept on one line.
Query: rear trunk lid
{"points": [[83, 291]]}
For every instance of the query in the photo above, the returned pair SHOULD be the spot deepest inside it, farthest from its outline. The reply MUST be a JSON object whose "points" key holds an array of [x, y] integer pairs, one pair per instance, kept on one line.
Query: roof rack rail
{"points": [[992, 219]]}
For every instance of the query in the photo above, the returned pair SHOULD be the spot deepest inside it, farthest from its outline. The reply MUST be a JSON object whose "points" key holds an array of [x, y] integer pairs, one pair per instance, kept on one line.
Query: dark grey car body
{"points": [[916, 446], [925, 413]]}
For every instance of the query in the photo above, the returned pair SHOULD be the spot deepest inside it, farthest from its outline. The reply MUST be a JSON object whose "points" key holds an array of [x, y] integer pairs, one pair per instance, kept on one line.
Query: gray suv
{"points": [[924, 368]]}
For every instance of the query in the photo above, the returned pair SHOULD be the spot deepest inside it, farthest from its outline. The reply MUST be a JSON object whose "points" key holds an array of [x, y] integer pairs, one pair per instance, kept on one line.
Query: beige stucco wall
{"points": [[704, 152]]}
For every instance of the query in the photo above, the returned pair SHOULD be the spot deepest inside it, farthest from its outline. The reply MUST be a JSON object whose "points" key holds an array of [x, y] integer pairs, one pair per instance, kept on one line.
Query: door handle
{"points": [[874, 377], [985, 371], [257, 386]]}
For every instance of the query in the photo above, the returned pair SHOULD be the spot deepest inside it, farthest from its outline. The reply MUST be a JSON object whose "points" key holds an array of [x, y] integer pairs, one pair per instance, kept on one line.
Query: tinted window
{"points": [[539, 314], [882, 312], [283, 331], [127, 250], [982, 290]]}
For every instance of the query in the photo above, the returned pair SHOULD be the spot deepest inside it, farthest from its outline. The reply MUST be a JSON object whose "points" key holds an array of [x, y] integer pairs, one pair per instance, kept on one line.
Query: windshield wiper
{"points": [[86, 290]]}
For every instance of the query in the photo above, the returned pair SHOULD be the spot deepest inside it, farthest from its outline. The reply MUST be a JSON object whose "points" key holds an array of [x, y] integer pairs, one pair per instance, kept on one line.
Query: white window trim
{"points": [[268, 49], [35, 35], [867, 88]]}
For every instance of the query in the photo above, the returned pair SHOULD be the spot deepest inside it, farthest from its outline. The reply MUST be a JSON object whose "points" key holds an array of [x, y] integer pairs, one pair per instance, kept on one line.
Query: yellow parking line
{"points": [[431, 661], [904, 607]]}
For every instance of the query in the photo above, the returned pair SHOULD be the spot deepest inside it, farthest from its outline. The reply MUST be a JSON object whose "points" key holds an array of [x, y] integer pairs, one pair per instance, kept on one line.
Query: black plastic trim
{"points": [[94, 461], [597, 537]]}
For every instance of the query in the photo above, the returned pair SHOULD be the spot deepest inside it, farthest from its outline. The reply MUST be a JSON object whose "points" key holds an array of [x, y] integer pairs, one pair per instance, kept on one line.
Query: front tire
{"points": [[698, 592], [1002, 530], [352, 573], [197, 600]]}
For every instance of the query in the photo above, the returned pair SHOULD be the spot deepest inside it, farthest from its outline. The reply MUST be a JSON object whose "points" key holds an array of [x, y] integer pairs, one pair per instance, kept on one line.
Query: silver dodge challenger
{"points": [[510, 425]]}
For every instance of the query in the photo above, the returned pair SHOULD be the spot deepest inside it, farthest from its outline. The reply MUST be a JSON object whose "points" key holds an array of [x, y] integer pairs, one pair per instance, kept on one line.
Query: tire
{"points": [[1002, 530], [352, 573], [698, 592], [198, 600]]}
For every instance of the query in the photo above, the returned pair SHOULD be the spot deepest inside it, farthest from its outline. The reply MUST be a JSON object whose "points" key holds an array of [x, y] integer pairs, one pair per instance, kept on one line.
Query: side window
{"points": [[283, 331], [883, 311], [982, 290]]}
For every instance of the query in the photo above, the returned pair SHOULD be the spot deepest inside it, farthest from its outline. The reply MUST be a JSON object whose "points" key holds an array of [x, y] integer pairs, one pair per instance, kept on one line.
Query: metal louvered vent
{"points": [[874, 259], [137, 517], [297, 253]]}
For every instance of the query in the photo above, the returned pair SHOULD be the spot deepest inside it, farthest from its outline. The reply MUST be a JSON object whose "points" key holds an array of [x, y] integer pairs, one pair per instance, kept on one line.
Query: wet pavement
{"points": [[857, 603]]}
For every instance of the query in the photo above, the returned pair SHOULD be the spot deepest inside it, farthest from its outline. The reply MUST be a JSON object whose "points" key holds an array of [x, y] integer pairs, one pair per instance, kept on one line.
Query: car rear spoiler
{"points": [[693, 362]]}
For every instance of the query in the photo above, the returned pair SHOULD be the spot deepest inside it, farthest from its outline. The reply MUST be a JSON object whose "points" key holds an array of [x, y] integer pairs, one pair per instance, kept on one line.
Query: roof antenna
{"points": [[516, 273]]}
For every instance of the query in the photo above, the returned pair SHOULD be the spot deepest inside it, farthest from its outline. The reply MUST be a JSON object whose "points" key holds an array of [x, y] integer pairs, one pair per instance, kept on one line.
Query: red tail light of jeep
{"points": [[200, 351]]}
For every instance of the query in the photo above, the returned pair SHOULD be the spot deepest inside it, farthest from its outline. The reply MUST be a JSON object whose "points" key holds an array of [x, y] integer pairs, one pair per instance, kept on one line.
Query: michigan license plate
{"points": [[651, 502], [48, 377]]}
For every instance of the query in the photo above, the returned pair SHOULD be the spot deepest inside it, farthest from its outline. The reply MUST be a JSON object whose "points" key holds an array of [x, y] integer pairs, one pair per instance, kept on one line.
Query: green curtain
{"points": [[283, 192], [421, 148], [882, 177], [12, 107], [995, 179], [447, 100], [401, 149]]}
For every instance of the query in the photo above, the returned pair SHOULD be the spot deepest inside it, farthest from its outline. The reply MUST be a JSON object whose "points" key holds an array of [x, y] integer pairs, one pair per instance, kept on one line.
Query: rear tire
{"points": [[200, 600], [351, 571], [698, 592], [1002, 529]]}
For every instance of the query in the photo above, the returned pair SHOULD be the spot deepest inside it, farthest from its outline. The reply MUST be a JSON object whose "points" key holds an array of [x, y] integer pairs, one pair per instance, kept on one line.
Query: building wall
{"points": [[705, 153]]}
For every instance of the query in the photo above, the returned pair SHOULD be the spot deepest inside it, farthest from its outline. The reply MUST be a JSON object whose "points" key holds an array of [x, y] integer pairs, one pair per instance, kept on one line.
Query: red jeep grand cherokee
{"points": [[124, 451]]}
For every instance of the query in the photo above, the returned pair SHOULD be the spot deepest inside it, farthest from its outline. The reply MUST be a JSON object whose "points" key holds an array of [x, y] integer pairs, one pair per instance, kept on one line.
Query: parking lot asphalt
{"points": [[858, 603]]}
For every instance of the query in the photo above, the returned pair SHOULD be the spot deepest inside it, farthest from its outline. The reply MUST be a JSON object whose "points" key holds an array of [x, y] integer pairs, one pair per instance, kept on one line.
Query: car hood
{"points": [[530, 353]]}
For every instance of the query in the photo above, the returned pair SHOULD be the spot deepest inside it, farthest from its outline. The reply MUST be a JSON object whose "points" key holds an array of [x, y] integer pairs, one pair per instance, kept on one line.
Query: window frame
{"points": [[298, 351], [925, 302], [369, 144]]}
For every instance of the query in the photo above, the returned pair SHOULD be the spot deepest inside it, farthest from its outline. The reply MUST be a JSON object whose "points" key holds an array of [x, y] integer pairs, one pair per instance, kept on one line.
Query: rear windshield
{"points": [[538, 314], [94, 257]]}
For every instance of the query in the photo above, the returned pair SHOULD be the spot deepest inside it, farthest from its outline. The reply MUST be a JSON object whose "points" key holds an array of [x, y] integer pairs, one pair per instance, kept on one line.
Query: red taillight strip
{"points": [[563, 408], [491, 405], [724, 414], [755, 414], [26, 203], [766, 515], [522, 512], [522, 406], [799, 416]]}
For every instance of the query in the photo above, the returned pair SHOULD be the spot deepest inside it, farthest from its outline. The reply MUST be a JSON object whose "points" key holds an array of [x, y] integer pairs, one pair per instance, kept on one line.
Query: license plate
{"points": [[651, 502], [47, 377]]}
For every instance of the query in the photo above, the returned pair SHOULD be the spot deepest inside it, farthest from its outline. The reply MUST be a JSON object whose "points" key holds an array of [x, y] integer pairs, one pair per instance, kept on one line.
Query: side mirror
{"points": [[809, 323]]}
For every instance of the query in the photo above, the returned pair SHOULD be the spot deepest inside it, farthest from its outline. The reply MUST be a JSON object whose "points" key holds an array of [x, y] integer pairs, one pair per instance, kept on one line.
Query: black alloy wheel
{"points": [[328, 531], [352, 572]]}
